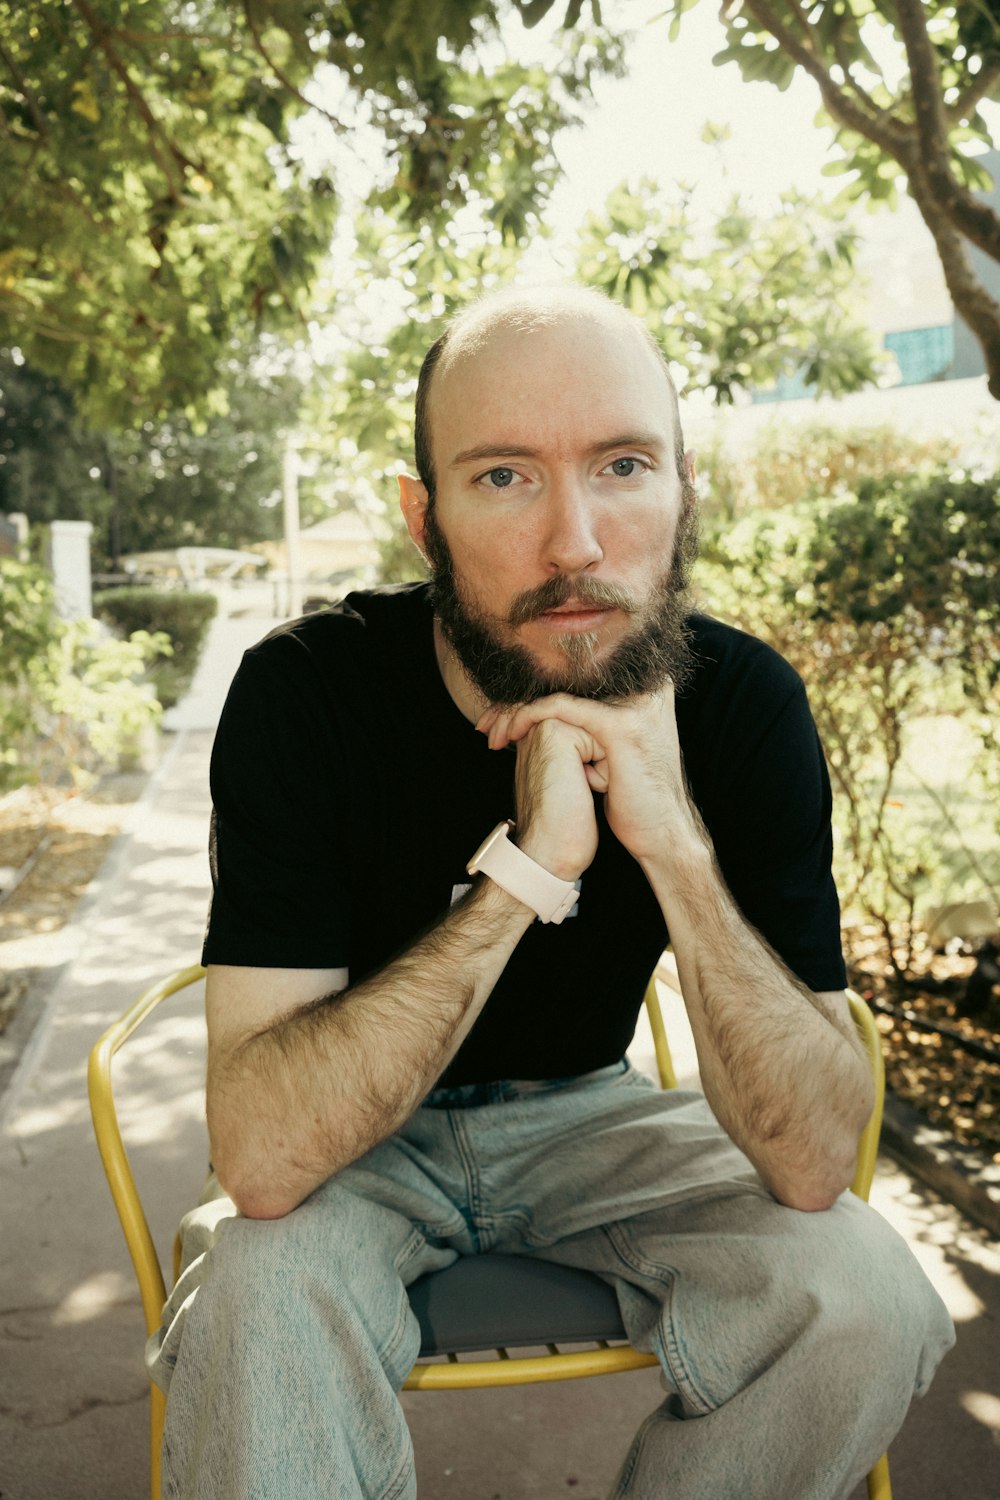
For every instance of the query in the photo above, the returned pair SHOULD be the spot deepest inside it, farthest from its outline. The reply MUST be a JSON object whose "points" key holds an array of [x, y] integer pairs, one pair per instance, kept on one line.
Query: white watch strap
{"points": [[522, 877]]}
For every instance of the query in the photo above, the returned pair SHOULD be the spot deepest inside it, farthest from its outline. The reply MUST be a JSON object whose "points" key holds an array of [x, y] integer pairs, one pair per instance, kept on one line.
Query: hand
{"points": [[628, 751], [554, 806]]}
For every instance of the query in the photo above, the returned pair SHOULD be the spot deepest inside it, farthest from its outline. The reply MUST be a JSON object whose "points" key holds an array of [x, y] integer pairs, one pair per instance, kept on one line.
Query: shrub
{"points": [[182, 616], [71, 703], [786, 464], [887, 603]]}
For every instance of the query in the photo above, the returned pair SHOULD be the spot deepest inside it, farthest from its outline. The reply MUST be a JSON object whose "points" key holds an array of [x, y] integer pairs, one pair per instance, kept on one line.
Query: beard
{"points": [[656, 647]]}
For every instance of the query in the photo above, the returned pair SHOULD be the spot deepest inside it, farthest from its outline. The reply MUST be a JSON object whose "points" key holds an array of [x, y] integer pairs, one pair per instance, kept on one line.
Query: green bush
{"points": [[71, 703], [887, 602], [787, 464], [184, 618]]}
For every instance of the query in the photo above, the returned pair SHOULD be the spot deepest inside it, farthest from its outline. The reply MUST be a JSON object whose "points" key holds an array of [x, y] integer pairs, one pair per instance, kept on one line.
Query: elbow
{"points": [[812, 1187], [253, 1190]]}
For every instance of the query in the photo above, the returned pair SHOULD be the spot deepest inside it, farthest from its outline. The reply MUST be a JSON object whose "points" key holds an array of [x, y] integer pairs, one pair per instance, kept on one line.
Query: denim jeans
{"points": [[791, 1344]]}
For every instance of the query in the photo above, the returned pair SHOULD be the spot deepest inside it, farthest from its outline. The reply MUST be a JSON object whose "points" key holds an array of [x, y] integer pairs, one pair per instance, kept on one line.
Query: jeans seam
{"points": [[470, 1169], [672, 1351]]}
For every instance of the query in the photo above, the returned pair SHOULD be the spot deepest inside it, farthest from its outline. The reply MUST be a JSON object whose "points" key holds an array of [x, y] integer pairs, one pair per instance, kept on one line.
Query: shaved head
{"points": [[524, 310]]}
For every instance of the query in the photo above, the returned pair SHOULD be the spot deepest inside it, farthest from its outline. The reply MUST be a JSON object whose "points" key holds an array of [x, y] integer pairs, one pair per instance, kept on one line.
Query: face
{"points": [[560, 532]]}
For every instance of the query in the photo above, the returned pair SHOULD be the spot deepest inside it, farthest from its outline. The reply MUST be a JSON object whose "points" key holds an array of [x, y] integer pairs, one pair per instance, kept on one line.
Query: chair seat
{"points": [[496, 1301]]}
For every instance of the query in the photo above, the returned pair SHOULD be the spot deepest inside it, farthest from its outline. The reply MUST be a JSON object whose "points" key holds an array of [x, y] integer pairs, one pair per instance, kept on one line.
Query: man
{"points": [[403, 1068]]}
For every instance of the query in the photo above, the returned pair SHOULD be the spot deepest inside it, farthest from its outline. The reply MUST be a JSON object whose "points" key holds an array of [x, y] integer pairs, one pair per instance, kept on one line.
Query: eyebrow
{"points": [[518, 450]]}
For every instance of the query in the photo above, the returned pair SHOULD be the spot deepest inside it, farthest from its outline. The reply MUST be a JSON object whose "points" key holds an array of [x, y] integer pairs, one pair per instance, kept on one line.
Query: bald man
{"points": [[454, 827]]}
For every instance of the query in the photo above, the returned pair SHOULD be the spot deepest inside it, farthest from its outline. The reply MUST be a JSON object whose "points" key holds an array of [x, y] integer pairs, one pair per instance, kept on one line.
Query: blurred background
{"points": [[229, 232]]}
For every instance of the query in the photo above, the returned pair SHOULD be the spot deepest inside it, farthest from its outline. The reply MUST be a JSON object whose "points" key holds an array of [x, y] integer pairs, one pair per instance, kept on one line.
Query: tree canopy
{"points": [[158, 202], [901, 84]]}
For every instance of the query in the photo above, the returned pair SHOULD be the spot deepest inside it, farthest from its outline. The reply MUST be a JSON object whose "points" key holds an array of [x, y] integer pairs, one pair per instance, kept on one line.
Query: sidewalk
{"points": [[72, 1385]]}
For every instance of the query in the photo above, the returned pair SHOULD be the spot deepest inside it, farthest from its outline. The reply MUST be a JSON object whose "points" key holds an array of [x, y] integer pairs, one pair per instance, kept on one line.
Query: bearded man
{"points": [[455, 826]]}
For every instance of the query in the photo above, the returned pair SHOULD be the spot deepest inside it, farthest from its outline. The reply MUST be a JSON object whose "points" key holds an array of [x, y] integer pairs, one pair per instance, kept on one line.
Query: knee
{"points": [[874, 1300]]}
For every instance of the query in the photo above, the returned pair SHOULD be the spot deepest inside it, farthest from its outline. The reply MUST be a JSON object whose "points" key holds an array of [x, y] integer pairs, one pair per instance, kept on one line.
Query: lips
{"points": [[574, 616]]}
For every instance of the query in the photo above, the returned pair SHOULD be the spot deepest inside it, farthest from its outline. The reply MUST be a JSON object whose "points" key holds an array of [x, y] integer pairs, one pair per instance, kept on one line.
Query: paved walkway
{"points": [[72, 1386]]}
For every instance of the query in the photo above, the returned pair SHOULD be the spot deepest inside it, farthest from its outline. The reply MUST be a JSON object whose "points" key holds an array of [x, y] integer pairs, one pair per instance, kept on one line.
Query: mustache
{"points": [[555, 592]]}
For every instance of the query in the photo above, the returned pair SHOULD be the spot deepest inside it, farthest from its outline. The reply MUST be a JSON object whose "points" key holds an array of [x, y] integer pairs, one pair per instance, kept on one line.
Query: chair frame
{"points": [[504, 1370]]}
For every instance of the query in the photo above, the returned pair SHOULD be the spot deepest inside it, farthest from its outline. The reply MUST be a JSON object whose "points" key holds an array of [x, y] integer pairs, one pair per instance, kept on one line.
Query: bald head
{"points": [[516, 312]]}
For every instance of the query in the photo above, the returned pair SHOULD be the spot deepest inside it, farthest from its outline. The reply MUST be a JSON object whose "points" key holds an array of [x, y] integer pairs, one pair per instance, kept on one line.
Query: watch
{"points": [[521, 876]]}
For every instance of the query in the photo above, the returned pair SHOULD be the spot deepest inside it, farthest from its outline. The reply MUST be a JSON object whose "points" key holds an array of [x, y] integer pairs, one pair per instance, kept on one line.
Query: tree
{"points": [[738, 302], [157, 200], [163, 484], [922, 130]]}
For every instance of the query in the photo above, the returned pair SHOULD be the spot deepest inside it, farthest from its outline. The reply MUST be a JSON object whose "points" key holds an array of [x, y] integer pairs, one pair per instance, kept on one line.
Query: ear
{"points": [[689, 459], [413, 502]]}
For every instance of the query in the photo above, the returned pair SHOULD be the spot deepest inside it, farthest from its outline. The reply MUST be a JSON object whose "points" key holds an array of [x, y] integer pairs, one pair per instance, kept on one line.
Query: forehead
{"points": [[551, 386]]}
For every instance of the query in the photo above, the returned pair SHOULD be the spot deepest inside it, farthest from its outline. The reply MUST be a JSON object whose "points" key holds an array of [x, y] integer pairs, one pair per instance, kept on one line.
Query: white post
{"points": [[290, 492], [69, 560]]}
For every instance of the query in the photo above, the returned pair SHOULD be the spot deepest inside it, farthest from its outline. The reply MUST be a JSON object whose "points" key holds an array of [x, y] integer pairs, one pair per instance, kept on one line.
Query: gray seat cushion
{"points": [[489, 1301]]}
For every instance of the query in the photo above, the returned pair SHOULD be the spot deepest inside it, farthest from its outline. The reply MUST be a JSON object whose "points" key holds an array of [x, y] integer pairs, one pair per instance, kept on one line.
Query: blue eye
{"points": [[501, 478], [624, 468]]}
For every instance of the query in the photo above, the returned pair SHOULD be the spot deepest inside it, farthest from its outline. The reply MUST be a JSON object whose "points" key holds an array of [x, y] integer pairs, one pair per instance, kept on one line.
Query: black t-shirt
{"points": [[350, 792]]}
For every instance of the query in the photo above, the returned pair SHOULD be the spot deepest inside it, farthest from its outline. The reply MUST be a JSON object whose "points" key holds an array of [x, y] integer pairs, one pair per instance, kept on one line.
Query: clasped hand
{"points": [[568, 748]]}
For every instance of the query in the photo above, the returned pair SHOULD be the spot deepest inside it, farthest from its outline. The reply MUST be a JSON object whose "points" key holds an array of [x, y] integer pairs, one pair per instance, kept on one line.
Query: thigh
{"points": [[713, 1274], [341, 1260]]}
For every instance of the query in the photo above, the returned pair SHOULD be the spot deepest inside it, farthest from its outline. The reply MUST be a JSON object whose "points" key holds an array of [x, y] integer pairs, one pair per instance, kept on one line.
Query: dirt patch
{"points": [[957, 1090], [52, 845]]}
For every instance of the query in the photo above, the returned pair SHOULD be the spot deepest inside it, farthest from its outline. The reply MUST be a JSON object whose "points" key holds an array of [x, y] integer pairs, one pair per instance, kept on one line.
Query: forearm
{"points": [[782, 1068], [297, 1101]]}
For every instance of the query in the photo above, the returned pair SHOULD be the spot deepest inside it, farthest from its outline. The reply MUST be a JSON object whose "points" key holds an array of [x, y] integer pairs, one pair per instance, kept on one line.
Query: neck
{"points": [[467, 697]]}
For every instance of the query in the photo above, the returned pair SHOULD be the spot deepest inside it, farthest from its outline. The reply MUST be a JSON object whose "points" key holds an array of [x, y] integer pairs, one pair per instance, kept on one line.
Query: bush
{"points": [[71, 703], [887, 603], [785, 464], [183, 617]]}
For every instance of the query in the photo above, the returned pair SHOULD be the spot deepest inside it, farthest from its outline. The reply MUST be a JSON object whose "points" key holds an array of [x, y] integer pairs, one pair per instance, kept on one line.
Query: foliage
{"points": [[71, 700], [29, 632], [742, 301], [180, 620], [364, 400], [882, 600], [739, 281], [160, 193], [183, 616], [786, 463], [923, 129], [166, 484]]}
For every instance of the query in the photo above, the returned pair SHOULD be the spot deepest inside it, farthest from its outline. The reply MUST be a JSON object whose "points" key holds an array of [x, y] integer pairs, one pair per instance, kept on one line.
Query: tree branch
{"points": [[41, 124], [283, 79], [972, 300], [875, 124], [973, 217], [977, 89], [156, 131]]}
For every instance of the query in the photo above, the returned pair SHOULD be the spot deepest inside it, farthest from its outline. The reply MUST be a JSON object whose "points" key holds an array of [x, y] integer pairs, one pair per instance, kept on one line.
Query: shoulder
{"points": [[364, 619], [370, 632], [736, 675]]}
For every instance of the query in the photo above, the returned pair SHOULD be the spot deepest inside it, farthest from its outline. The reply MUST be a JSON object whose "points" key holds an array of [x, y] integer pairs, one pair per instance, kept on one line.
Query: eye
{"points": [[627, 468], [497, 479]]}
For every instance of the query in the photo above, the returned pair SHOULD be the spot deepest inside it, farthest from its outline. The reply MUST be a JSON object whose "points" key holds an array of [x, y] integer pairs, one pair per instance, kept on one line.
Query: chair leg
{"points": [[157, 1416], [879, 1487]]}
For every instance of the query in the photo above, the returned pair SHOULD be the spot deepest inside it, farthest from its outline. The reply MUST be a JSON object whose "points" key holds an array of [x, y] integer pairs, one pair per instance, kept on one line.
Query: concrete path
{"points": [[72, 1387]]}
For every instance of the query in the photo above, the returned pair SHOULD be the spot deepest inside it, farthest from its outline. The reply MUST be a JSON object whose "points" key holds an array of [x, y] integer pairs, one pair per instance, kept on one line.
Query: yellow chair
{"points": [[579, 1308]]}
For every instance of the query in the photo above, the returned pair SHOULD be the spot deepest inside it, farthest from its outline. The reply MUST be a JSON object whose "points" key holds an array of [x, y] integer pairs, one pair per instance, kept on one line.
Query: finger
{"points": [[596, 776]]}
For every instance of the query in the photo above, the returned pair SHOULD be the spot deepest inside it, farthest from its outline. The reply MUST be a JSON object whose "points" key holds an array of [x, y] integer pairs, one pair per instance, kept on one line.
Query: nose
{"points": [[571, 542]]}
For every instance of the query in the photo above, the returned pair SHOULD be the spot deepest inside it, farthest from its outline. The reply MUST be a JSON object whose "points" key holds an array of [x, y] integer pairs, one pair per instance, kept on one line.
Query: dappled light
{"points": [[92, 1298]]}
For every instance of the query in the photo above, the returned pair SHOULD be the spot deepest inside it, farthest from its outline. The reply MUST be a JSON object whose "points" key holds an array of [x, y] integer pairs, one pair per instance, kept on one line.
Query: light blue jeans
{"points": [[791, 1344]]}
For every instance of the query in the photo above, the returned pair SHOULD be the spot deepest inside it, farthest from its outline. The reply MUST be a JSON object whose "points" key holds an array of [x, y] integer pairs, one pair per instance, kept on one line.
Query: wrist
{"points": [[549, 895]]}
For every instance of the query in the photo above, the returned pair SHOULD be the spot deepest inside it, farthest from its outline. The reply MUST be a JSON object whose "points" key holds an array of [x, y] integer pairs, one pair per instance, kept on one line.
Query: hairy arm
{"points": [[304, 1077], [782, 1068]]}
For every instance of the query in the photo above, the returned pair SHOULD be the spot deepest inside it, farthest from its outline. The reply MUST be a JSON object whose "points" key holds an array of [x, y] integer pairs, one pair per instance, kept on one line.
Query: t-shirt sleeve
{"points": [[280, 890], [773, 838]]}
